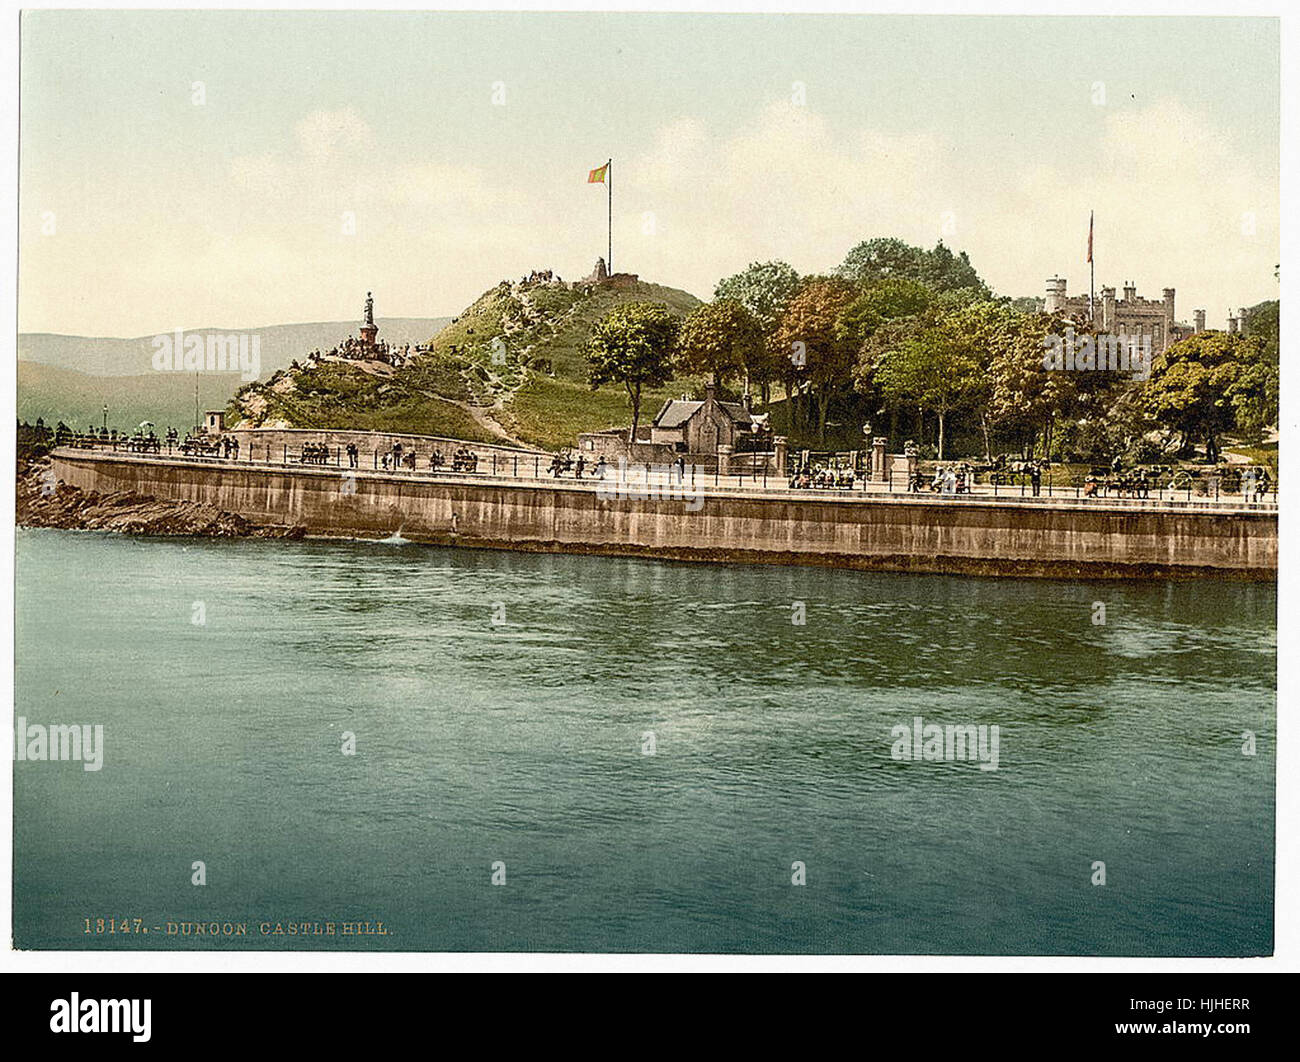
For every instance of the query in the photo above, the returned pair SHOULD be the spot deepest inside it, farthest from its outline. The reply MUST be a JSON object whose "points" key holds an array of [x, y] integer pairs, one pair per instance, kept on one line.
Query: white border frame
{"points": [[1287, 878]]}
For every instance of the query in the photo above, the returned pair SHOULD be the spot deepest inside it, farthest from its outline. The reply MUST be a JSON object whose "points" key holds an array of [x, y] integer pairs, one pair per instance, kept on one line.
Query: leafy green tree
{"points": [[941, 270], [877, 259], [1255, 393], [633, 346], [1198, 384], [881, 301], [938, 364], [820, 354], [884, 257], [720, 338], [1024, 396], [764, 289]]}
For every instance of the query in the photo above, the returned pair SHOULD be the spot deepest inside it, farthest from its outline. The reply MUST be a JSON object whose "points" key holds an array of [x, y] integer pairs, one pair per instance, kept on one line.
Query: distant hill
{"points": [[511, 366], [280, 344], [78, 399]]}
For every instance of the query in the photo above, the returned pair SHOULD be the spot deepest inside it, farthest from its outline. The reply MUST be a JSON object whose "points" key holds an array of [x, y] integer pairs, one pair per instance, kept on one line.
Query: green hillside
{"points": [[78, 399], [510, 367]]}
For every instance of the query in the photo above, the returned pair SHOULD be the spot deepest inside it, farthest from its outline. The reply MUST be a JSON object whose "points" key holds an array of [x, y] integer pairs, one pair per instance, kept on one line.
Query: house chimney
{"points": [[747, 400], [1200, 320], [709, 390]]}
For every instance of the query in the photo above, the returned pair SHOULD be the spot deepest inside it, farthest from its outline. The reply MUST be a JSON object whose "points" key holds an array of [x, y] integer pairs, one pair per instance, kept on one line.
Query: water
{"points": [[522, 743]]}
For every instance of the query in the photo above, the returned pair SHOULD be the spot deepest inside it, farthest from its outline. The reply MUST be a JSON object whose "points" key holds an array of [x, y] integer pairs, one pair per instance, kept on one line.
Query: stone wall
{"points": [[1058, 538], [274, 441]]}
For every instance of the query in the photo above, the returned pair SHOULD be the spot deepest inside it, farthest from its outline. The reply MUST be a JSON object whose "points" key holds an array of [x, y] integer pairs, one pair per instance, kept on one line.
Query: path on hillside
{"points": [[483, 419]]}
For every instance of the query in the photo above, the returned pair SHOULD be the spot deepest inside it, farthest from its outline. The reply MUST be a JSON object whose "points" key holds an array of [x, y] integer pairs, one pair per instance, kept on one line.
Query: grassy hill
{"points": [[78, 398], [429, 397], [511, 366]]}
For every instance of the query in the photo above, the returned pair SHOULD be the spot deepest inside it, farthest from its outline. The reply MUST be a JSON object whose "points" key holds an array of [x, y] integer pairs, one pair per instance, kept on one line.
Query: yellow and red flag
{"points": [[597, 176]]}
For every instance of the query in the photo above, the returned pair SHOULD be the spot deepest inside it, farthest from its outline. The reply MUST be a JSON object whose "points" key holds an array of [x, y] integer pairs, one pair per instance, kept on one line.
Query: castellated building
{"points": [[1131, 315]]}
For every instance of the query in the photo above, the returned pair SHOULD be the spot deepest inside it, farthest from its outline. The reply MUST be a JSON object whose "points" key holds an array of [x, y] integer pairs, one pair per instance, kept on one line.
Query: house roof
{"points": [[677, 411]]}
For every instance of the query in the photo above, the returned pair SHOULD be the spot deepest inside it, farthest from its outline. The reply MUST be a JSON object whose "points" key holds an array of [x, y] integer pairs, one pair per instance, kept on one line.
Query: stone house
{"points": [[702, 426]]}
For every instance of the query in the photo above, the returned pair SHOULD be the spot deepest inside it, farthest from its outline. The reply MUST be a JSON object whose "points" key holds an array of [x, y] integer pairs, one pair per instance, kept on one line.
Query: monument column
{"points": [[369, 330]]}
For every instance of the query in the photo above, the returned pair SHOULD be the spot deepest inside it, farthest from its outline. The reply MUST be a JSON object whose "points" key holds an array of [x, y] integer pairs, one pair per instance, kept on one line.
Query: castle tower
{"points": [[1199, 316], [1241, 321], [1232, 324], [369, 330], [1130, 292], [1055, 301], [1108, 310]]}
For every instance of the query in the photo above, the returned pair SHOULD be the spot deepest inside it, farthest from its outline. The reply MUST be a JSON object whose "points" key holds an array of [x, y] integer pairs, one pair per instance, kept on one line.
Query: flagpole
{"points": [[609, 190], [1092, 274]]}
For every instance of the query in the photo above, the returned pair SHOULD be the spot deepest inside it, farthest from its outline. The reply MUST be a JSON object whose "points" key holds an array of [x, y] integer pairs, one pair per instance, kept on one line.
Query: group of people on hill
{"points": [[354, 349], [540, 276]]}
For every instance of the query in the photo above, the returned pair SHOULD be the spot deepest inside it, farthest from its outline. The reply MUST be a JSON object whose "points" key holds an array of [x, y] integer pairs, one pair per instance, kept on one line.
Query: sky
{"points": [[237, 169]]}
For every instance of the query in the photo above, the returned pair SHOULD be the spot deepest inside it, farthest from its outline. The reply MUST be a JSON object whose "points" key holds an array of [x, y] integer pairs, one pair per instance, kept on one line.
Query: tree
{"points": [[633, 345], [720, 338], [876, 259], [1198, 384], [764, 289], [885, 257], [938, 364], [821, 354], [1255, 395], [881, 301], [1024, 396], [941, 270]]}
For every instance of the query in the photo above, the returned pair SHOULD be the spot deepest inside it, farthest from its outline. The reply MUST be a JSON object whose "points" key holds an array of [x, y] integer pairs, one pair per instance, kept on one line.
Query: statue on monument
{"points": [[370, 309]]}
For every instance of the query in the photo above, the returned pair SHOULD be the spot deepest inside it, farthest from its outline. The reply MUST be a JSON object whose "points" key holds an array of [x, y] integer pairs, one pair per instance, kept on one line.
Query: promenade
{"points": [[497, 464]]}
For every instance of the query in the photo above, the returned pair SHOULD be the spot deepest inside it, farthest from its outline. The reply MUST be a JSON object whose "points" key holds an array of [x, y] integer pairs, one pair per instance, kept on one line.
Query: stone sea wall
{"points": [[1060, 538]]}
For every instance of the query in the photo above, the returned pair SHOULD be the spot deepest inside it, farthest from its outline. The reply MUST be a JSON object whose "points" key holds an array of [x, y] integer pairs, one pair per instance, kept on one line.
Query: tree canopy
{"points": [[885, 257], [723, 339], [633, 345]]}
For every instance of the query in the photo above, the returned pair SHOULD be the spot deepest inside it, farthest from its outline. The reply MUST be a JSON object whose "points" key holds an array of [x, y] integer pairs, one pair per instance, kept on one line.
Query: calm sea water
{"points": [[523, 744]]}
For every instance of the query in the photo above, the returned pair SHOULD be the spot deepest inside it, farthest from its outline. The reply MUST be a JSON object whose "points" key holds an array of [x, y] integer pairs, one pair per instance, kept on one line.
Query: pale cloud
{"points": [[331, 133], [1170, 195], [263, 240]]}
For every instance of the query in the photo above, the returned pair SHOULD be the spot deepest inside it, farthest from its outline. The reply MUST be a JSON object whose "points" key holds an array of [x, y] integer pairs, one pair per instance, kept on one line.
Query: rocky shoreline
{"points": [[43, 501]]}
